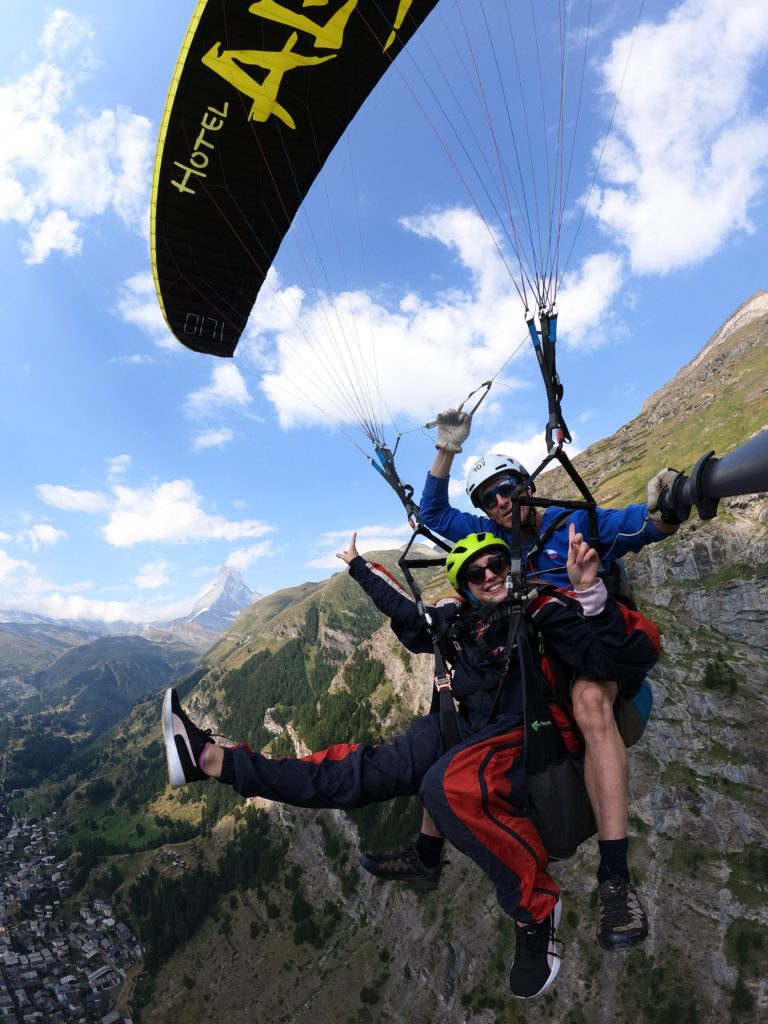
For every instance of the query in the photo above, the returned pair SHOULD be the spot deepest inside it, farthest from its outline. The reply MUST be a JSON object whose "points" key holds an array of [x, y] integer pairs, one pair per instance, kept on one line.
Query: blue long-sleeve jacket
{"points": [[621, 530]]}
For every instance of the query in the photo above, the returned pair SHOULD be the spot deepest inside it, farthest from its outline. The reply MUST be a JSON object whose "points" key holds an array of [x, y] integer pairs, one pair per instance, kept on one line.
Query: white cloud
{"points": [[369, 538], [118, 465], [688, 156], [137, 305], [41, 535], [338, 357], [56, 232], [213, 438], [137, 359], [15, 205], [60, 496], [10, 570], [587, 294], [243, 558], [63, 32], [152, 575], [42, 598], [464, 232], [59, 166], [22, 588], [171, 513], [227, 389]]}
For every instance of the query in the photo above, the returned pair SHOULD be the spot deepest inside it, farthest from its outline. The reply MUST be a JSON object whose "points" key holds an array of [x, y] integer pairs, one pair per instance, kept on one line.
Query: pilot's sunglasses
{"points": [[498, 564], [506, 488]]}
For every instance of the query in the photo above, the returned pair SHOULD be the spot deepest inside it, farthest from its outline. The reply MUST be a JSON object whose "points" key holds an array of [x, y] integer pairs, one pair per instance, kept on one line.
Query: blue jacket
{"points": [[621, 530]]}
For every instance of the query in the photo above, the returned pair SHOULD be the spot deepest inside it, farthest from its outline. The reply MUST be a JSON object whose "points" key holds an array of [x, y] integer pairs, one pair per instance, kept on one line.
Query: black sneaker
{"points": [[621, 920], [537, 956], [184, 743], [403, 866]]}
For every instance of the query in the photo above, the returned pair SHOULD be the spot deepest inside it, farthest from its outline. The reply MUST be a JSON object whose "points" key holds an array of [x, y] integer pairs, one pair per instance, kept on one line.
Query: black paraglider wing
{"points": [[260, 96]]}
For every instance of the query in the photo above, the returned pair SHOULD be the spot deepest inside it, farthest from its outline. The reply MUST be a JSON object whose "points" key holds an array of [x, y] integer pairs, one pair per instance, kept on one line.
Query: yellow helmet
{"points": [[464, 550]]}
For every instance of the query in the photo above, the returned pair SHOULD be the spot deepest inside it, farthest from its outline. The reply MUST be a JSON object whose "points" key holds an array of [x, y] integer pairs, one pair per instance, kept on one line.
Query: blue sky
{"points": [[132, 469]]}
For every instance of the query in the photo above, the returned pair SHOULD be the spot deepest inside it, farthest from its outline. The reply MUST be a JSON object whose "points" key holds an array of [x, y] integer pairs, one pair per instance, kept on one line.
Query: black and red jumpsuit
{"points": [[476, 791]]}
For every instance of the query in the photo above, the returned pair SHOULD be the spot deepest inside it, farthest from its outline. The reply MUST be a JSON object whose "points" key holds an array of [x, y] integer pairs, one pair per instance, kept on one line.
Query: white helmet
{"points": [[486, 468]]}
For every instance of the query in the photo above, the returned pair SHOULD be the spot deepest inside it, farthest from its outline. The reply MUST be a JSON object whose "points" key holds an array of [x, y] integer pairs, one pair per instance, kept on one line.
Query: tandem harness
{"points": [[483, 628], [557, 800]]}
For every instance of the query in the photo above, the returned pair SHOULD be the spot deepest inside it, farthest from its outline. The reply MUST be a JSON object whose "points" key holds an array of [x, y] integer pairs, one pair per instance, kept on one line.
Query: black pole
{"points": [[742, 471]]}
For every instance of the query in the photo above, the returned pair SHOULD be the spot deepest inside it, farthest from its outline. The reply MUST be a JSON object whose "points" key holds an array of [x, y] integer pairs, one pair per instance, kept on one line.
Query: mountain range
{"points": [[85, 677]]}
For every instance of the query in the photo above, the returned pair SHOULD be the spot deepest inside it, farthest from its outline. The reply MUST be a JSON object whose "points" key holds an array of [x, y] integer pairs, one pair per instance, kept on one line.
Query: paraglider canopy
{"points": [[260, 96]]}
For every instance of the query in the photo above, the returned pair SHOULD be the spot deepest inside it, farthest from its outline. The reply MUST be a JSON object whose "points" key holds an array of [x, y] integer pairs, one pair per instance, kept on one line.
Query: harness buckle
{"points": [[443, 684]]}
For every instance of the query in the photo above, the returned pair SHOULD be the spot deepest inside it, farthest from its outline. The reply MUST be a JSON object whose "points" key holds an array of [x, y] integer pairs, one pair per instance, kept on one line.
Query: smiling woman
{"points": [[470, 561]]}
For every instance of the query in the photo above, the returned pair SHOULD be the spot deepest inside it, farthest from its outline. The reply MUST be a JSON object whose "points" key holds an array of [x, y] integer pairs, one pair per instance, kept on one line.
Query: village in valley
{"points": [[57, 966]]}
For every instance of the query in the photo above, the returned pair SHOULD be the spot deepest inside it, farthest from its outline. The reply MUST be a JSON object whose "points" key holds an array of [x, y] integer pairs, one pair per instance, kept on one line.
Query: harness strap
{"points": [[442, 697], [544, 347], [449, 719]]}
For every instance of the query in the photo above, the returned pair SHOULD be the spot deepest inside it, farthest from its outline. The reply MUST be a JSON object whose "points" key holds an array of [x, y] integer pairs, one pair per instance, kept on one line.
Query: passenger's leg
{"points": [[622, 920], [343, 776], [420, 863], [606, 771], [476, 794]]}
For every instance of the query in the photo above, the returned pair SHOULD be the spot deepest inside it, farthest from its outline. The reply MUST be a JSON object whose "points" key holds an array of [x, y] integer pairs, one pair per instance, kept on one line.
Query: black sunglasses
{"points": [[498, 565], [506, 488]]}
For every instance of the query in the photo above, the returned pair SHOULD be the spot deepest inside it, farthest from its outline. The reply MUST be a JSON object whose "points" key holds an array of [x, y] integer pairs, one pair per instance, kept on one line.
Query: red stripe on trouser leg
{"points": [[335, 753], [479, 793]]}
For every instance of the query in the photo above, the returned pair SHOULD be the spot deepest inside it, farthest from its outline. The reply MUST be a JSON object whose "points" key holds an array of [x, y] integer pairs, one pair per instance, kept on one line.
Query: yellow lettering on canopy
{"points": [[402, 10], [264, 95], [327, 37]]}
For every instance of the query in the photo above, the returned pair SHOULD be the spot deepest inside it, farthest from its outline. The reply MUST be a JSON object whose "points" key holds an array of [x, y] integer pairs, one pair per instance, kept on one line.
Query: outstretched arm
{"points": [[389, 597], [441, 466], [435, 508]]}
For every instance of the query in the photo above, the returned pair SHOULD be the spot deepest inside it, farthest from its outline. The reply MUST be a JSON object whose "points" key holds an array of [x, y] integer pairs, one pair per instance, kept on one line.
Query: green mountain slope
{"points": [[29, 648], [718, 401]]}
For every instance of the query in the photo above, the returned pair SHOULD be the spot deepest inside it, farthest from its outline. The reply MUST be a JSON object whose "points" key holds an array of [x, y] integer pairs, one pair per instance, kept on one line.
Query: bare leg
{"points": [[212, 759], [429, 828], [606, 771]]}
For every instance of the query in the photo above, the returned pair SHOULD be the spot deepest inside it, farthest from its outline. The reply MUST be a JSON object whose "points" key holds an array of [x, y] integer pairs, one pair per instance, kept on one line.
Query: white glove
{"points": [[452, 429], [664, 478]]}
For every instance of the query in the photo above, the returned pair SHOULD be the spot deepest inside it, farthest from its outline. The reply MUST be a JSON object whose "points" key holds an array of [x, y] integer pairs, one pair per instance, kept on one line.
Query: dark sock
{"points": [[429, 849], [613, 859]]}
